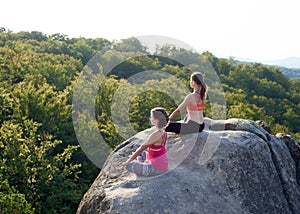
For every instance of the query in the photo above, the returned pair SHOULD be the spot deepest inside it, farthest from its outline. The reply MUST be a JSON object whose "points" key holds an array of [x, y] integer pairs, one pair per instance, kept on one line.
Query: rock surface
{"points": [[233, 166], [294, 148]]}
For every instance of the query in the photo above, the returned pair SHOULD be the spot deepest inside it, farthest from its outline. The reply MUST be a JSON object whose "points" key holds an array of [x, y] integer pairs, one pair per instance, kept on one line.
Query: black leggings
{"points": [[185, 127]]}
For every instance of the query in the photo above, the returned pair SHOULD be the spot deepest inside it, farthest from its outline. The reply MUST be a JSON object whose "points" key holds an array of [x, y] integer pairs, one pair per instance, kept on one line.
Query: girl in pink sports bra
{"points": [[194, 103], [156, 151]]}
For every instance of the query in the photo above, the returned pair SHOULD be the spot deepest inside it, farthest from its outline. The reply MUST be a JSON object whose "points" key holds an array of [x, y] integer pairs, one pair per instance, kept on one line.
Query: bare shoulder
{"points": [[189, 96], [192, 98], [155, 135], [152, 139]]}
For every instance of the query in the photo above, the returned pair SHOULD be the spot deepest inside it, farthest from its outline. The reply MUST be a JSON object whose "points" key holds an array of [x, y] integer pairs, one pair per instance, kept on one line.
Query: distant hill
{"points": [[290, 62], [290, 66], [291, 72]]}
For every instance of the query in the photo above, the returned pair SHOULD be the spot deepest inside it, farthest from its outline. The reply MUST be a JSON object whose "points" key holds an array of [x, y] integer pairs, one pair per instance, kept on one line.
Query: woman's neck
{"points": [[197, 90]]}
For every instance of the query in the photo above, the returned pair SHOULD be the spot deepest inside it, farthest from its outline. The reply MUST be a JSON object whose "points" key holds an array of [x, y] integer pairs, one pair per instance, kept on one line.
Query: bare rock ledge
{"points": [[233, 166]]}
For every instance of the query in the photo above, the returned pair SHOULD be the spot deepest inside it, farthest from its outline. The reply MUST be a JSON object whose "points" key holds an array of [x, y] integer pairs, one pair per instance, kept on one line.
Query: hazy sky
{"points": [[252, 29]]}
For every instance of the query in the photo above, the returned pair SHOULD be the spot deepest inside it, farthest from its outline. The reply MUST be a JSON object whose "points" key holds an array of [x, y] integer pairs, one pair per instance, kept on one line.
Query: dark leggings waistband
{"points": [[185, 127]]}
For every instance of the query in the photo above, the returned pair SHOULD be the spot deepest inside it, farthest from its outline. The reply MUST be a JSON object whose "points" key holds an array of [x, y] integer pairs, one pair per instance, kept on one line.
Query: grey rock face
{"points": [[233, 166], [294, 149]]}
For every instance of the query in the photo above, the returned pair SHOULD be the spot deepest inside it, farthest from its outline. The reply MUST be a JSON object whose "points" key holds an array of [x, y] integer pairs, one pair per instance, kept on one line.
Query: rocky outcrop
{"points": [[294, 149], [233, 166]]}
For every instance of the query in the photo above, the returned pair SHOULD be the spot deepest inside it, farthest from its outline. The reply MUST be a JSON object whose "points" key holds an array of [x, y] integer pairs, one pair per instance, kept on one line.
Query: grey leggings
{"points": [[143, 169]]}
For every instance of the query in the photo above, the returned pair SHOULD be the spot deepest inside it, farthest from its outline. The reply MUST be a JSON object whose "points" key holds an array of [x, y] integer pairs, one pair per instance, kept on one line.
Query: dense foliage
{"points": [[42, 168]]}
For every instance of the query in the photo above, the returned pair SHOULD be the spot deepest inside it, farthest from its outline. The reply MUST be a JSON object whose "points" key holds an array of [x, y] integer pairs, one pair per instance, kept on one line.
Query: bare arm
{"points": [[153, 138], [181, 107], [174, 114]]}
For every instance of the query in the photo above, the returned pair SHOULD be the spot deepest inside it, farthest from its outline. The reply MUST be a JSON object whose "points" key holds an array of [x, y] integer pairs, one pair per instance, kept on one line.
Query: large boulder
{"points": [[233, 166]]}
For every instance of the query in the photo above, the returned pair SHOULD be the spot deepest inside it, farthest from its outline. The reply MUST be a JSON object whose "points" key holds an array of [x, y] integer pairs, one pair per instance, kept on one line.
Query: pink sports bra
{"points": [[197, 107], [154, 150], [157, 154]]}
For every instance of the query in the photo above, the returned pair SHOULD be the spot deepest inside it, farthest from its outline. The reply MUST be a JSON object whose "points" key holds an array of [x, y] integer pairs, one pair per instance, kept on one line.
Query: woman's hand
{"points": [[150, 140], [123, 165]]}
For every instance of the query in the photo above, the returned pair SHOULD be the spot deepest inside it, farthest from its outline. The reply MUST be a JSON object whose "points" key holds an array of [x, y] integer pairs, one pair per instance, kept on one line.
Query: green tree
{"points": [[129, 45], [29, 163], [12, 202]]}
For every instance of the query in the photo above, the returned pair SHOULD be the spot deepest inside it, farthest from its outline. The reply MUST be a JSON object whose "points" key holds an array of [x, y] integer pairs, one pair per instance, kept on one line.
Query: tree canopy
{"points": [[42, 168]]}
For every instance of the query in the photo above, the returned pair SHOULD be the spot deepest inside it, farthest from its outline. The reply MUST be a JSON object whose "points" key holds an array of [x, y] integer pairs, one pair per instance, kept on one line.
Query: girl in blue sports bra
{"points": [[194, 103]]}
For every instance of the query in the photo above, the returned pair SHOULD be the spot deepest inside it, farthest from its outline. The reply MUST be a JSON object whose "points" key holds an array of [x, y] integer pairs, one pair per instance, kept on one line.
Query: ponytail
{"points": [[198, 78]]}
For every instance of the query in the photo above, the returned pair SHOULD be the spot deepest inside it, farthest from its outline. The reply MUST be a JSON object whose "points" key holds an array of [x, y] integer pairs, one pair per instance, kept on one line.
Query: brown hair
{"points": [[198, 78], [161, 115]]}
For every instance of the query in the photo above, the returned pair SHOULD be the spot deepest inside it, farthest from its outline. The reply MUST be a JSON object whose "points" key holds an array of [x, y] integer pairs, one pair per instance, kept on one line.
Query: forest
{"points": [[42, 166]]}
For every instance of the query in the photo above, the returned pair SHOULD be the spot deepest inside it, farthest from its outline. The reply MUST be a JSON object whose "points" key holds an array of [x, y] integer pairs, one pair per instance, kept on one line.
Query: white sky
{"points": [[253, 29]]}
